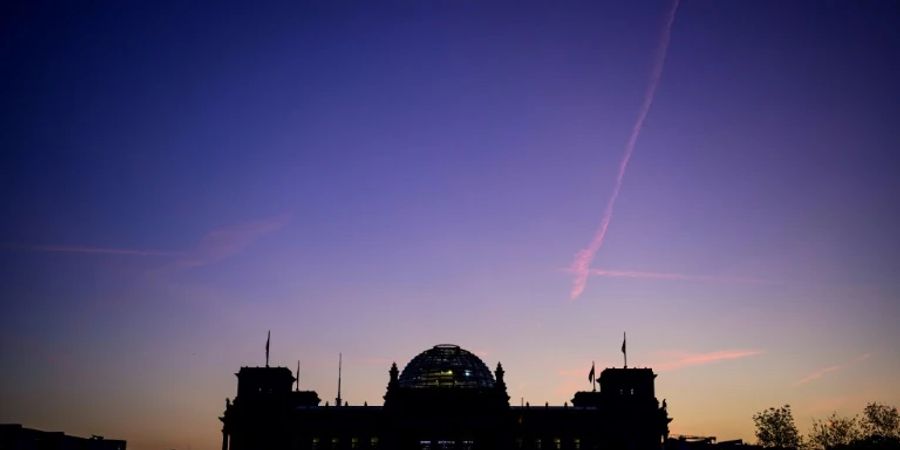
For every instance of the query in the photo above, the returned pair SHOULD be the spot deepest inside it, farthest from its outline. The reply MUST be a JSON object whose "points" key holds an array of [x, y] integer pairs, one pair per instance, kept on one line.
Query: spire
{"points": [[394, 373], [268, 337], [500, 385], [393, 385], [337, 401]]}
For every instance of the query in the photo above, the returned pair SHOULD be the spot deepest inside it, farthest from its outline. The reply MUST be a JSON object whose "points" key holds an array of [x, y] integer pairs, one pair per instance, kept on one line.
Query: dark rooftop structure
{"points": [[17, 437], [445, 398]]}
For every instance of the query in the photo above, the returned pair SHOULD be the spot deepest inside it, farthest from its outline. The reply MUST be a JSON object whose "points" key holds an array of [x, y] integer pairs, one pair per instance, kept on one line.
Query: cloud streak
{"points": [[222, 242], [674, 276], [84, 249], [215, 245], [819, 373], [582, 262], [681, 360]]}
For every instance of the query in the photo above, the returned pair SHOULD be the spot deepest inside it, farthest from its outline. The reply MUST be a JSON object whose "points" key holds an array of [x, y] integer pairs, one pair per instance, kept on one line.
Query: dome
{"points": [[446, 366]]}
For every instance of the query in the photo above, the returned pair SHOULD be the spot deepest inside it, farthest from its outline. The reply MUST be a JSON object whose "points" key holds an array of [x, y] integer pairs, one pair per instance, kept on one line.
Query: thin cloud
{"points": [[220, 243], [673, 276], [682, 360], [819, 373], [84, 249], [215, 245]]}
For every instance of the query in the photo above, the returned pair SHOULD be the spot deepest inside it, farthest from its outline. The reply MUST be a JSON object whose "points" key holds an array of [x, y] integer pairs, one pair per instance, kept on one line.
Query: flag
{"points": [[591, 374]]}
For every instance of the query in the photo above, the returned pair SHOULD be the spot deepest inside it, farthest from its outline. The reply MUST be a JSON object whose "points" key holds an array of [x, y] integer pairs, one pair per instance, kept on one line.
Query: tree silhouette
{"points": [[880, 421], [775, 428], [834, 431]]}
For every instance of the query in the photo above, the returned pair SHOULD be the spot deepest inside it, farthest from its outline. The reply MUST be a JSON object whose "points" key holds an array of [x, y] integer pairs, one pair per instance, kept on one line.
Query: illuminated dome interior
{"points": [[446, 366]]}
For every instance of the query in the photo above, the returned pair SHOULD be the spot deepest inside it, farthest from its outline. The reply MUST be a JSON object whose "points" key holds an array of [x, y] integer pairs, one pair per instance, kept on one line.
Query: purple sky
{"points": [[374, 178]]}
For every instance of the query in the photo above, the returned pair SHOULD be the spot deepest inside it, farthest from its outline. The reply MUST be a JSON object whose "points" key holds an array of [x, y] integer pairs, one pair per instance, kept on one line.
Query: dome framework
{"points": [[446, 366]]}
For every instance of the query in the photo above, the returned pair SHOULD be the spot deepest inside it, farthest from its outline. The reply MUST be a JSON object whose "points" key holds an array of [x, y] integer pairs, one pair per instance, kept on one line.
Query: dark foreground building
{"points": [[16, 437], [445, 398]]}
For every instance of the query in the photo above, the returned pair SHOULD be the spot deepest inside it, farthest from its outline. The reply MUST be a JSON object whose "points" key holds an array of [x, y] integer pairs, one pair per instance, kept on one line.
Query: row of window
{"points": [[334, 442], [537, 444], [555, 444], [446, 445]]}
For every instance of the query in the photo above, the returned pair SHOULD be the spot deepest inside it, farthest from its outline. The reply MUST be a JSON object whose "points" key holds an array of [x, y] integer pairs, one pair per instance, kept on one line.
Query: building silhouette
{"points": [[17, 437], [445, 398]]}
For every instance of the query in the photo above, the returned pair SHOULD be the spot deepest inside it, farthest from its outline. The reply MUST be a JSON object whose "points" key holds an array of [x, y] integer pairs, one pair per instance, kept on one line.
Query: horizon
{"points": [[525, 180]]}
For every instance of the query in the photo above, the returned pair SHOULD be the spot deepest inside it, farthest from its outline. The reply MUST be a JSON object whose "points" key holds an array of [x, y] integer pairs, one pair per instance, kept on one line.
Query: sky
{"points": [[374, 178]]}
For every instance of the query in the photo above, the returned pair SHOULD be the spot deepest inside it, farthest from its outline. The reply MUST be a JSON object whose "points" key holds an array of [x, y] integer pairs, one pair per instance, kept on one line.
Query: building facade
{"points": [[445, 398]]}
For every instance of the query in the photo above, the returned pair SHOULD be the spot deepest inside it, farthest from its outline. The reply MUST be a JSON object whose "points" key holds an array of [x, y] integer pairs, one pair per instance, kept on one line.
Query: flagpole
{"points": [[340, 363]]}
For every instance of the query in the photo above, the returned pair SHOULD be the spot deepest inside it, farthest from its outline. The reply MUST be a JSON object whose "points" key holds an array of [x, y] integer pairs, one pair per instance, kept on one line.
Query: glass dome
{"points": [[446, 366]]}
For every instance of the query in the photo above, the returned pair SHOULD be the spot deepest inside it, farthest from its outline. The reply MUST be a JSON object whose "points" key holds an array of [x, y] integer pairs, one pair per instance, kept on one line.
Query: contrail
{"points": [[99, 250], [581, 264], [674, 276], [697, 359], [825, 370]]}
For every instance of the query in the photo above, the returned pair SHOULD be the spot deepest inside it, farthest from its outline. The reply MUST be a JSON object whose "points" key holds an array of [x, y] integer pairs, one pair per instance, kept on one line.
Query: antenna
{"points": [[268, 337], [337, 401], [298, 376]]}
